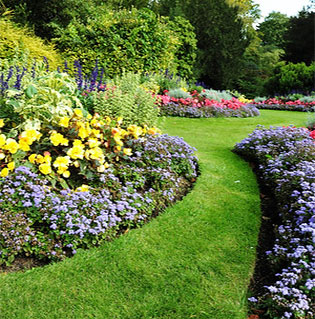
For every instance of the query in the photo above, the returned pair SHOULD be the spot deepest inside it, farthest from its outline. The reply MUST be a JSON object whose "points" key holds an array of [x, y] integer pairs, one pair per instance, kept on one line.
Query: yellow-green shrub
{"points": [[18, 44], [133, 41]]}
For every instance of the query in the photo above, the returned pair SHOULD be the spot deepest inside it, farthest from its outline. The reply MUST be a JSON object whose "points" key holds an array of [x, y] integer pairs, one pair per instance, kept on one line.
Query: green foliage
{"points": [[273, 28], [47, 17], [221, 34], [18, 45], [194, 87], [300, 38], [164, 81], [136, 40], [185, 56], [43, 100], [179, 93], [125, 97], [257, 66], [216, 95], [289, 77]]}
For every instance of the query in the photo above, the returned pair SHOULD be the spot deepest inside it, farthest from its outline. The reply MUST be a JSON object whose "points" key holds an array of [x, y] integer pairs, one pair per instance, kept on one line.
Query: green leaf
{"points": [[30, 91], [63, 183]]}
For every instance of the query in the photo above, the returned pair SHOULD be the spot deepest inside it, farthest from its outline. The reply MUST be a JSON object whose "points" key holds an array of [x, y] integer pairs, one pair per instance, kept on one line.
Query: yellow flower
{"points": [[2, 156], [82, 188], [47, 159], [57, 138], [4, 172], [119, 120], [24, 146], [66, 174], [153, 130], [77, 142], [96, 153], [135, 131], [1, 123], [11, 166], [76, 164], [45, 168], [11, 145], [78, 112], [101, 168], [2, 140], [62, 162], [76, 152], [93, 142], [127, 151], [118, 141], [96, 133], [115, 131], [40, 159], [64, 121], [107, 120], [30, 136], [83, 133], [32, 158]]}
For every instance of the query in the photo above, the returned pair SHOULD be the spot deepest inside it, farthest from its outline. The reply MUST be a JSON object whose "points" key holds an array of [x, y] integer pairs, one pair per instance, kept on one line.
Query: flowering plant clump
{"points": [[72, 151], [128, 185], [286, 105], [199, 106], [286, 164]]}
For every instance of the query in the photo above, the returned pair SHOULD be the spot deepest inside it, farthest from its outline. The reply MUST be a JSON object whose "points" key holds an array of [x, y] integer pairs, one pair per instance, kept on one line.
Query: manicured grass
{"points": [[193, 261]]}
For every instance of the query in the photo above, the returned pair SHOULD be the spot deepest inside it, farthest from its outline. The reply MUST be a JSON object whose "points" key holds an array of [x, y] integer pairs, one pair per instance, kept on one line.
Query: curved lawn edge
{"points": [[194, 260]]}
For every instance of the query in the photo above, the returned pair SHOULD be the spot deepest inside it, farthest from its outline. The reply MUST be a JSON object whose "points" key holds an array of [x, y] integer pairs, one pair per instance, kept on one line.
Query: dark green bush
{"points": [[291, 77]]}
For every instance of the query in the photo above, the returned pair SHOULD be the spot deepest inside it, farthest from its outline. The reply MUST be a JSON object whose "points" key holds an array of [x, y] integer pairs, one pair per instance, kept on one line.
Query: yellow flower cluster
{"points": [[79, 142], [9, 147], [243, 99]]}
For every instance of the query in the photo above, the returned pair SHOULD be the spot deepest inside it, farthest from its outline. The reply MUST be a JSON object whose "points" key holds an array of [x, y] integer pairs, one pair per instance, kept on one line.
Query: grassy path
{"points": [[193, 261]]}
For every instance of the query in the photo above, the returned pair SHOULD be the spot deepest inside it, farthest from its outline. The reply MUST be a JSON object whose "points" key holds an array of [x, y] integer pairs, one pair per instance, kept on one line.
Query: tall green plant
{"points": [[126, 98]]}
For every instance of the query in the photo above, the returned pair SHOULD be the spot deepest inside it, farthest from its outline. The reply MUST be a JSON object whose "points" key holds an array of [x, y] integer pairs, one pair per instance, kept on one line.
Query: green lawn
{"points": [[193, 261]]}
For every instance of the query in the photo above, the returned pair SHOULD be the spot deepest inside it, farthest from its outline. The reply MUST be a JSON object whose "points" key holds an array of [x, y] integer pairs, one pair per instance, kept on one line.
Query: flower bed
{"points": [[79, 180], [285, 158], [48, 223], [278, 104], [198, 106]]}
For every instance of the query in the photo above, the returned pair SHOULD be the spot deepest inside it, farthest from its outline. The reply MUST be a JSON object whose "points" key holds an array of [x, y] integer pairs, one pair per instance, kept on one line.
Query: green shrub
{"points": [[216, 95], [289, 77], [131, 41], [135, 40], [164, 80], [307, 99], [125, 97], [179, 93], [18, 46]]}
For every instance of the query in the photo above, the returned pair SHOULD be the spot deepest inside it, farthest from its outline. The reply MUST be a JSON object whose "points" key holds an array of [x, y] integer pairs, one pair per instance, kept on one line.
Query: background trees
{"points": [[230, 53]]}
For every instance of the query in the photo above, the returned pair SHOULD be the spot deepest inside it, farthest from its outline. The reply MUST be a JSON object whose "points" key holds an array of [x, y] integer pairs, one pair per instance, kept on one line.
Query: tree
{"points": [[272, 29], [46, 16], [221, 37], [300, 38]]}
